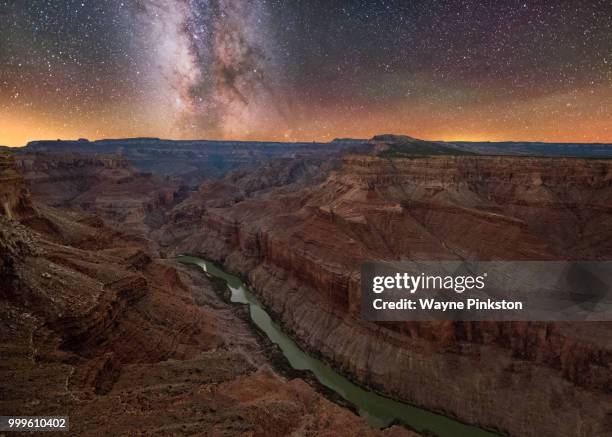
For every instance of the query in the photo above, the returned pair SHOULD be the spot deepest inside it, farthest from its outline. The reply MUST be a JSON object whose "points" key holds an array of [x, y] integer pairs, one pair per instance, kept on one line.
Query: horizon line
{"points": [[288, 141]]}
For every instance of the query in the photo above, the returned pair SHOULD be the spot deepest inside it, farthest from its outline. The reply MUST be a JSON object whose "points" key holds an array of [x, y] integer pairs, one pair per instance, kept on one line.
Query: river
{"points": [[377, 410]]}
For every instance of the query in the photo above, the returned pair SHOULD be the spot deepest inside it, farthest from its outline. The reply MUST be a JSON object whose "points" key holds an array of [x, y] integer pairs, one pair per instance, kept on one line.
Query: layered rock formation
{"points": [[301, 251], [106, 185], [14, 199], [195, 160], [93, 325]]}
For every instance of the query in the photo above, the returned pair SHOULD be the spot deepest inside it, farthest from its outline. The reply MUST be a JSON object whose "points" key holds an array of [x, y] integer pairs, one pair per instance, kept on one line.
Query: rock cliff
{"points": [[14, 198], [106, 185], [301, 251]]}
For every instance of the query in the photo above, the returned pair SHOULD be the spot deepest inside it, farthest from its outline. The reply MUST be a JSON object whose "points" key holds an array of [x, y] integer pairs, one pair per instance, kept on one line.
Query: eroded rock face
{"points": [[94, 325], [14, 198], [106, 185], [98, 334], [301, 251]]}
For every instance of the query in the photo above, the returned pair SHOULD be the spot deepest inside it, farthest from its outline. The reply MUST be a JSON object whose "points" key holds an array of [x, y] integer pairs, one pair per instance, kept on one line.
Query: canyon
{"points": [[95, 324], [97, 315], [301, 252]]}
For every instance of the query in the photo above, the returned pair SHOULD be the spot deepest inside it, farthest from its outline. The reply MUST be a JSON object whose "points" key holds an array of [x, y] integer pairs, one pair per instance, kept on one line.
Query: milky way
{"points": [[305, 70], [213, 61]]}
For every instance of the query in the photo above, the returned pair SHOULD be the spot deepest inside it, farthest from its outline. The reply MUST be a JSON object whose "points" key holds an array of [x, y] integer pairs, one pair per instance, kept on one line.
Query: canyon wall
{"points": [[14, 199], [193, 160], [106, 185], [301, 252], [94, 325]]}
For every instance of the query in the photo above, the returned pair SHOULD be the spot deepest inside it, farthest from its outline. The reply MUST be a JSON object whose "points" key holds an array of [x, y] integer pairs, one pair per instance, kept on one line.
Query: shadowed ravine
{"points": [[377, 410]]}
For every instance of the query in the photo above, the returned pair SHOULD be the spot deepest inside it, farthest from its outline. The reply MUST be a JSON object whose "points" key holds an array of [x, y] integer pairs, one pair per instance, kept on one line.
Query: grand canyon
{"points": [[207, 208], [99, 318]]}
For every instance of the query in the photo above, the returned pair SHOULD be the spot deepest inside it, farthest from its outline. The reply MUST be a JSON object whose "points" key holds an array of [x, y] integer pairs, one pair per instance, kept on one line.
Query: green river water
{"points": [[377, 410]]}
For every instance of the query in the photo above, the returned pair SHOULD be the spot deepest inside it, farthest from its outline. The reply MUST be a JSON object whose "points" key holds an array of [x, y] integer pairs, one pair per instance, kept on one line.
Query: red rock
{"points": [[94, 325], [302, 251]]}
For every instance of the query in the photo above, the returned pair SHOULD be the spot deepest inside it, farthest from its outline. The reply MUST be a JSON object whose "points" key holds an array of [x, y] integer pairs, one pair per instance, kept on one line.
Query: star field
{"points": [[305, 70]]}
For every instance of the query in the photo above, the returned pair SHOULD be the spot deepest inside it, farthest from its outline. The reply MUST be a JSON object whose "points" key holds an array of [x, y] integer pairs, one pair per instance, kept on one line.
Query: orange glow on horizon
{"points": [[21, 134], [580, 118]]}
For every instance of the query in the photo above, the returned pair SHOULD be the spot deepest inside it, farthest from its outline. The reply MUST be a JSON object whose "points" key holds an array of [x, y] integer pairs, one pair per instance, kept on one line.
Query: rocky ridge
{"points": [[192, 160]]}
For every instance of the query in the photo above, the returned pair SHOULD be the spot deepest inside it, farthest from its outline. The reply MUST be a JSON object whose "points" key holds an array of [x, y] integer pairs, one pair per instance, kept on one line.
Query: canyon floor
{"points": [[98, 321]]}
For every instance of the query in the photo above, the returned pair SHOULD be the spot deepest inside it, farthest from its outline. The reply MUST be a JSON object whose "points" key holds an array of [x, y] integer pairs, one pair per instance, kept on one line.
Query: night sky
{"points": [[308, 70]]}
